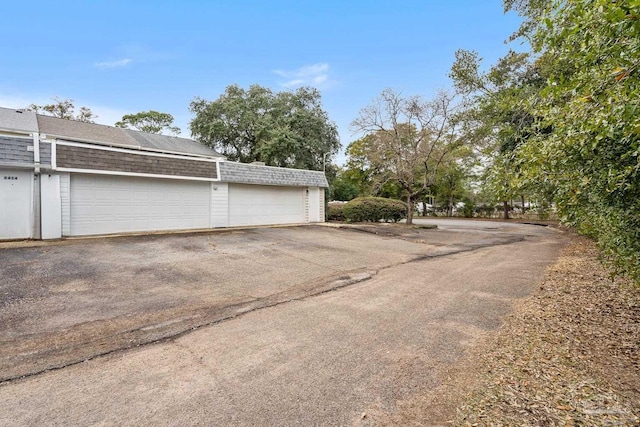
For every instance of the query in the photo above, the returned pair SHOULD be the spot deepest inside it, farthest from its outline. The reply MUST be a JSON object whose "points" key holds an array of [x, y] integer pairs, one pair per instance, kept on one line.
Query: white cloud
{"points": [[313, 75], [119, 63]]}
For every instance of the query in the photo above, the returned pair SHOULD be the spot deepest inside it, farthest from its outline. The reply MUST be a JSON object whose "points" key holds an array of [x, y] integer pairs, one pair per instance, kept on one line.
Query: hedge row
{"points": [[335, 212], [374, 209]]}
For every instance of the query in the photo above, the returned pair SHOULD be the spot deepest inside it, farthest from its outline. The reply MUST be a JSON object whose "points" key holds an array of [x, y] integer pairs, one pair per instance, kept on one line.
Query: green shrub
{"points": [[468, 208], [335, 213], [374, 209]]}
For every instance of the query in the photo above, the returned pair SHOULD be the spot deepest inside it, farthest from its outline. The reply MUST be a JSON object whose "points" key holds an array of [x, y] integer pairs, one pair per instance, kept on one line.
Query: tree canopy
{"points": [[64, 109], [591, 103], [149, 121], [406, 141], [288, 129], [575, 101], [502, 114]]}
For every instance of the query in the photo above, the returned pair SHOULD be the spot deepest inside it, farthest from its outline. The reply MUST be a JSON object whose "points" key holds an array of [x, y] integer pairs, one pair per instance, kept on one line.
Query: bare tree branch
{"points": [[408, 139]]}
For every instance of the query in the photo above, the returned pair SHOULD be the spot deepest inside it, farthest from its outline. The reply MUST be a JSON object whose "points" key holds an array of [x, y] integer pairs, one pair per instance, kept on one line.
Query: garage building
{"points": [[63, 178]]}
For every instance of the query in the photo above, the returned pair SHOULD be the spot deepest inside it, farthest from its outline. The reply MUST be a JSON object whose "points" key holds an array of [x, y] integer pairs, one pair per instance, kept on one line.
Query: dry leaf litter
{"points": [[569, 355]]}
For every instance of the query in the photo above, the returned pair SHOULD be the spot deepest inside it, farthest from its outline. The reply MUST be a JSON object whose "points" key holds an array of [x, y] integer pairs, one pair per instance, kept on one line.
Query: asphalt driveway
{"points": [[69, 301], [289, 352], [66, 302]]}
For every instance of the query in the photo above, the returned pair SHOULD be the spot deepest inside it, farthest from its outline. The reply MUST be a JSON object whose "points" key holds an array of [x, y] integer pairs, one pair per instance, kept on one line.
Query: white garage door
{"points": [[15, 204], [103, 204], [262, 204]]}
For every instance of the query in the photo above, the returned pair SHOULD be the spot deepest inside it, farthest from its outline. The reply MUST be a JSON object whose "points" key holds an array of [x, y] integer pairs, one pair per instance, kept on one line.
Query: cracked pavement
{"points": [[311, 324]]}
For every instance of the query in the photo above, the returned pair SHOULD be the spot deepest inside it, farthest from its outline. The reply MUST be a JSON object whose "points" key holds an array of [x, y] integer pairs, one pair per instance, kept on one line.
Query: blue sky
{"points": [[123, 57]]}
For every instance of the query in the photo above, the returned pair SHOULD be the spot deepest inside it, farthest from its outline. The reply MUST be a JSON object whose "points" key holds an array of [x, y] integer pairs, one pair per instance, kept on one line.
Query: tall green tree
{"points": [[149, 121], [451, 185], [407, 139], [343, 188], [503, 115], [64, 109], [289, 129], [358, 170], [592, 104], [584, 144]]}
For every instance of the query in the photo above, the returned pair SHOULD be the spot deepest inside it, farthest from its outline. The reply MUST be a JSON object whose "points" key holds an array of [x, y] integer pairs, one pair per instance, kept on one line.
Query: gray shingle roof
{"points": [[90, 132], [71, 130], [18, 120], [244, 173], [81, 131], [171, 143]]}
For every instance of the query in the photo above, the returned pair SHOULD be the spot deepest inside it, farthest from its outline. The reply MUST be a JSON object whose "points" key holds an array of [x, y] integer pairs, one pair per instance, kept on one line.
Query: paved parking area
{"points": [[68, 301], [290, 357]]}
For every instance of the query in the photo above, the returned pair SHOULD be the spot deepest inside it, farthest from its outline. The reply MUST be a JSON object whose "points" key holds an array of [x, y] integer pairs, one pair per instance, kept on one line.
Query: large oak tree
{"points": [[288, 129], [149, 121]]}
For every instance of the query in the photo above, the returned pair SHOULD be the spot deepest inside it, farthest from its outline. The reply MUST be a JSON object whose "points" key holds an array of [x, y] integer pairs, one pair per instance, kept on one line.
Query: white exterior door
{"points": [[16, 189], [104, 204], [263, 205]]}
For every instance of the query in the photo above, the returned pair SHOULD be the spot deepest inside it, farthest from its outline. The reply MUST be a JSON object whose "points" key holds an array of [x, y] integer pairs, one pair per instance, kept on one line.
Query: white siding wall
{"points": [[314, 204], [321, 199], [219, 204], [16, 204], [35, 208], [65, 203], [306, 204], [51, 207]]}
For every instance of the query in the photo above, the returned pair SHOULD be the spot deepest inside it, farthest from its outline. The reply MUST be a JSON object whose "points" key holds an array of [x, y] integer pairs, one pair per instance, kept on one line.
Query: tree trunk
{"points": [[522, 200], [424, 208], [450, 213], [409, 210], [505, 205]]}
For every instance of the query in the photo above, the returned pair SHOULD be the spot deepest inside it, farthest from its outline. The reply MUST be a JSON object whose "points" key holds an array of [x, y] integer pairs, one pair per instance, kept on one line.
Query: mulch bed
{"points": [[569, 355]]}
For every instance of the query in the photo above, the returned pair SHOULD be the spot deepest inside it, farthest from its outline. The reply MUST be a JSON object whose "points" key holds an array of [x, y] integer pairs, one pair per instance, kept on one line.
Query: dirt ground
{"points": [[569, 355]]}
